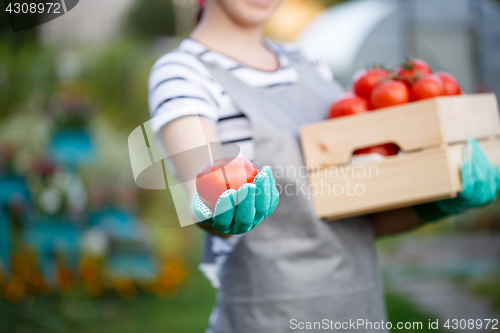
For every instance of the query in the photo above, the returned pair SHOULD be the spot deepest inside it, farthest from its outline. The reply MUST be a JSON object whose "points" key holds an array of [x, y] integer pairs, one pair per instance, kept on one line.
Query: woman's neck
{"points": [[220, 33]]}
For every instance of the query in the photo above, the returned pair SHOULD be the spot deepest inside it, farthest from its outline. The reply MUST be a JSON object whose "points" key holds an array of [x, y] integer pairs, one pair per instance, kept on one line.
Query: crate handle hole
{"points": [[386, 149]]}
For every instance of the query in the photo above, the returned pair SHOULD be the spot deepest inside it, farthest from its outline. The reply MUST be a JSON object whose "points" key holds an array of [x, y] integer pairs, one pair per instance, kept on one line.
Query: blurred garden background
{"points": [[83, 249]]}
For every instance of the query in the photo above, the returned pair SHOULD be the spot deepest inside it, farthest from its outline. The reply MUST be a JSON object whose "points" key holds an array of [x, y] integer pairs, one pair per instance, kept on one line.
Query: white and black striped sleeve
{"points": [[179, 85]]}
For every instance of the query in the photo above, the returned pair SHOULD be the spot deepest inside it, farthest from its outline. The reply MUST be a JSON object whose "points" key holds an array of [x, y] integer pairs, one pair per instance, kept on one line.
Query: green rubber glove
{"points": [[240, 211], [481, 184]]}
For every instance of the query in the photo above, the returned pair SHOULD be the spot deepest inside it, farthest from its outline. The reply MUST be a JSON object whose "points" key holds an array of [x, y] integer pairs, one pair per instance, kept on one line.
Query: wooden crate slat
{"points": [[402, 181], [469, 116]]}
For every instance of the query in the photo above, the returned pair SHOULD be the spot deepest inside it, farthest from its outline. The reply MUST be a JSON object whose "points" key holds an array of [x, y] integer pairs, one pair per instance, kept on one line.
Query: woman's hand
{"points": [[240, 211], [481, 184]]}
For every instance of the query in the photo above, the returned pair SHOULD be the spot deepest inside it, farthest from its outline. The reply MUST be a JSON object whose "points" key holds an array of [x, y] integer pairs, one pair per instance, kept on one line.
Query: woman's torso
{"points": [[293, 265], [180, 78]]}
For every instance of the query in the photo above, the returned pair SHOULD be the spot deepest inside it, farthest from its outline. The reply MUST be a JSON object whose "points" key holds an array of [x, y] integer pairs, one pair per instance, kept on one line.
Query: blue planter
{"points": [[49, 235], [119, 223], [72, 148], [11, 188], [141, 267], [4, 239]]}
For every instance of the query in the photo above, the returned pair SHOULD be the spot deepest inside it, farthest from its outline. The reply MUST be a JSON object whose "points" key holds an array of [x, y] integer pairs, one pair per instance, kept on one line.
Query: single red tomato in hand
{"points": [[223, 174], [347, 105], [451, 85], [366, 80], [389, 93], [385, 150], [411, 70], [428, 86]]}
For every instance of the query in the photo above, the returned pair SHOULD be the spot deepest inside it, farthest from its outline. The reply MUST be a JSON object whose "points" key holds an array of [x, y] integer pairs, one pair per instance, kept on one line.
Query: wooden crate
{"points": [[431, 133]]}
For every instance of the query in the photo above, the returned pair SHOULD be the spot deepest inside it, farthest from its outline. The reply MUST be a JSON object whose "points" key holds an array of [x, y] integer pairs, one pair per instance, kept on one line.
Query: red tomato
{"points": [[223, 174], [385, 150], [366, 80], [411, 70], [389, 93], [347, 105], [451, 85], [428, 86]]}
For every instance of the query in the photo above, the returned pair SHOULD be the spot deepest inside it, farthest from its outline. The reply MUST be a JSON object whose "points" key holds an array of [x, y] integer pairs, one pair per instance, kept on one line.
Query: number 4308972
{"points": [[25, 8], [456, 324]]}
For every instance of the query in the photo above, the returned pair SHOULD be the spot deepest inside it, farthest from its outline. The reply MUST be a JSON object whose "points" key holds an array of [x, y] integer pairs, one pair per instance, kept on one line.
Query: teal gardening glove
{"points": [[240, 211], [481, 184]]}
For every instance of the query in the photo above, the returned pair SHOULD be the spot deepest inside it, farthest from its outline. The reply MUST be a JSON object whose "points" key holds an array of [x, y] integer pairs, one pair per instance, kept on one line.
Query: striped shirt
{"points": [[180, 79]]}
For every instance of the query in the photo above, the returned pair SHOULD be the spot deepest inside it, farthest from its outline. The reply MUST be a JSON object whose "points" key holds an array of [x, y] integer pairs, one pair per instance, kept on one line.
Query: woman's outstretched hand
{"points": [[481, 184], [240, 211]]}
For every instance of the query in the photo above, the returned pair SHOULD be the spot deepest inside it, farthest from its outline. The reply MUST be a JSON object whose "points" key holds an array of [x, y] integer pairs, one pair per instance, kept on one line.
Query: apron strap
{"points": [[329, 90]]}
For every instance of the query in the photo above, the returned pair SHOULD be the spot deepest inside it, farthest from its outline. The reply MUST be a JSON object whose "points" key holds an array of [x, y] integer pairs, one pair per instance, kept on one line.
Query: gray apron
{"points": [[294, 265]]}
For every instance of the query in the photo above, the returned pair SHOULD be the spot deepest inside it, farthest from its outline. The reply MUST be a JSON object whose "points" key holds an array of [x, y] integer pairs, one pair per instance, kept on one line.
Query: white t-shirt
{"points": [[179, 79]]}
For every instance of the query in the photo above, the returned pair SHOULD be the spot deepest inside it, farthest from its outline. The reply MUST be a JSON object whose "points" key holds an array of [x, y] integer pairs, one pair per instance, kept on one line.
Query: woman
{"points": [[291, 268]]}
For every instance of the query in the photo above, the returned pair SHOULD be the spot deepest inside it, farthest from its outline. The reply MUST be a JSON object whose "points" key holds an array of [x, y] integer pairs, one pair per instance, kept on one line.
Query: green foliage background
{"points": [[151, 18]]}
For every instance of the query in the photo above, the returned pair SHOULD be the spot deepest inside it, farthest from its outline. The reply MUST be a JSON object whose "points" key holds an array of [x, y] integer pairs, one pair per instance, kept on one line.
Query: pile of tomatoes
{"points": [[380, 87]]}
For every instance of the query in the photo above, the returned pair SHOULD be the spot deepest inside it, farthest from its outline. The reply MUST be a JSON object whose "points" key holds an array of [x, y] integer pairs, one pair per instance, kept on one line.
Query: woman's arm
{"points": [[396, 221], [182, 135]]}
